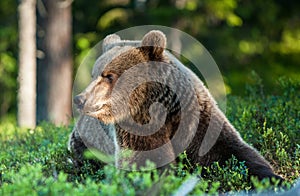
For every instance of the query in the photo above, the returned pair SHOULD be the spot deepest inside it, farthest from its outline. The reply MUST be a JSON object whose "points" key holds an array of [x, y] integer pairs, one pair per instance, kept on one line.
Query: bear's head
{"points": [[97, 99]]}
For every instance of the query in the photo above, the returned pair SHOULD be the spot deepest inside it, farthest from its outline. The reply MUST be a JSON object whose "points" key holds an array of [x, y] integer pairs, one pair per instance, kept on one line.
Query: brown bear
{"points": [[146, 85]]}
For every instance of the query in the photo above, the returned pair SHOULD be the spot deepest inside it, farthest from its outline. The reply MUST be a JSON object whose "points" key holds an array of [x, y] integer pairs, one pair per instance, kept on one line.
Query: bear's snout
{"points": [[79, 101]]}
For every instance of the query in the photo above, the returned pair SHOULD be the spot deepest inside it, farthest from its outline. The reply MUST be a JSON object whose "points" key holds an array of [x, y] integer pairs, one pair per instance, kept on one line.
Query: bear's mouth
{"points": [[92, 113]]}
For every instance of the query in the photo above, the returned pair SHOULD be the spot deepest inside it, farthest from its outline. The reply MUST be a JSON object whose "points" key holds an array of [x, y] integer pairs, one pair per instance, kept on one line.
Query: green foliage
{"points": [[8, 56], [36, 162], [274, 122], [234, 172]]}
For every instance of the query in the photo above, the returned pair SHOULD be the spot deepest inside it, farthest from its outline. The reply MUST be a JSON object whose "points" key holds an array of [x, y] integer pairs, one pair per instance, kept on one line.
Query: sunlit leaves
{"points": [[117, 14]]}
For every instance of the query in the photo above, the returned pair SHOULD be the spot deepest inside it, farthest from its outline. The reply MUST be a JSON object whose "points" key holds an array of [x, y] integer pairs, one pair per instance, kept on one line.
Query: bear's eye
{"points": [[109, 77]]}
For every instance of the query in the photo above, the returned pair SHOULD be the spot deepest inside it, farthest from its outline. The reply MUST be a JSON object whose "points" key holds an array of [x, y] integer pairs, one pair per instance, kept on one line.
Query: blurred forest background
{"points": [[242, 36]]}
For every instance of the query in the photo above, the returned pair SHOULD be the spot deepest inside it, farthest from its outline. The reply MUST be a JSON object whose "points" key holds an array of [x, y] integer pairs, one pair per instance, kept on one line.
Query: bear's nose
{"points": [[79, 100]]}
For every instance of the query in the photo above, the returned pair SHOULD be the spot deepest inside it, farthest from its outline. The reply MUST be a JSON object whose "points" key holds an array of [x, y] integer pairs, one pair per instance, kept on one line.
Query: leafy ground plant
{"points": [[36, 162]]}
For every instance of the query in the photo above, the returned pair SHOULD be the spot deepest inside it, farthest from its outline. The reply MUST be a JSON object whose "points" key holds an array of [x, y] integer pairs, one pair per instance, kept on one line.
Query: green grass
{"points": [[36, 162]]}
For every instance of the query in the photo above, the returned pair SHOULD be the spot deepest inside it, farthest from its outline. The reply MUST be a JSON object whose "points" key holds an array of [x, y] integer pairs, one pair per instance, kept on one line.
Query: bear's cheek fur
{"points": [[97, 99], [105, 115]]}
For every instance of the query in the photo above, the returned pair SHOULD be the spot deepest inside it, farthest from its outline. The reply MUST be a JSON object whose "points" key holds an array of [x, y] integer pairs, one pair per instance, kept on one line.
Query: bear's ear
{"points": [[109, 41], [153, 44]]}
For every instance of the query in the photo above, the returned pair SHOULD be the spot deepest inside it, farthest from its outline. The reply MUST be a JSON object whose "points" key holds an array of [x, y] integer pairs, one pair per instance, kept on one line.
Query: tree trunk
{"points": [[55, 69], [27, 64]]}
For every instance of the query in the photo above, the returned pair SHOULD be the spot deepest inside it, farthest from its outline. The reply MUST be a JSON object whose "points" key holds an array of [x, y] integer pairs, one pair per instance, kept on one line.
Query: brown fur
{"points": [[98, 98]]}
